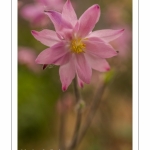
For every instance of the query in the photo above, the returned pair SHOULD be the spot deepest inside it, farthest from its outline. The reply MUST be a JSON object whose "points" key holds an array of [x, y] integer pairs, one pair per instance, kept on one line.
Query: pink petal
{"points": [[107, 35], [57, 20], [62, 60], [66, 34], [76, 28], [67, 73], [80, 82], [68, 13], [83, 68], [98, 64], [99, 48], [88, 20], [54, 55], [46, 37]]}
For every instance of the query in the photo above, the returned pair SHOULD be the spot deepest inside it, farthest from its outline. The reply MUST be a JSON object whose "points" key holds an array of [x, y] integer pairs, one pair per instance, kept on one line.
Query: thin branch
{"points": [[76, 90], [91, 113], [79, 117]]}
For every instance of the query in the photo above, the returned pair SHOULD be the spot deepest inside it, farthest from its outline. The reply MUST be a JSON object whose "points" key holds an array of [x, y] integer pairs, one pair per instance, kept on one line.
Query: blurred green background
{"points": [[39, 91]]}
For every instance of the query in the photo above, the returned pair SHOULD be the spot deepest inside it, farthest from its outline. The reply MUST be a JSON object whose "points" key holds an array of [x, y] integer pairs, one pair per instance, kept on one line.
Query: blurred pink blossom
{"points": [[123, 44], [74, 46], [27, 56], [113, 15], [34, 13]]}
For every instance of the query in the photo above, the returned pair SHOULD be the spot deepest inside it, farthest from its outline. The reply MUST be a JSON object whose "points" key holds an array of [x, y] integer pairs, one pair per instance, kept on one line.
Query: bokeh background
{"points": [[39, 91]]}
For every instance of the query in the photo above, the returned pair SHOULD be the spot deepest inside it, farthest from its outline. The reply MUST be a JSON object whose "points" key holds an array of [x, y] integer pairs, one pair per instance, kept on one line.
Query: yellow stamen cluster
{"points": [[77, 46]]}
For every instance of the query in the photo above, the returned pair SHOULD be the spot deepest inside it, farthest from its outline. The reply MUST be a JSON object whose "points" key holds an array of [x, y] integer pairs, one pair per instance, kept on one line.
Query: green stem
{"points": [[79, 116], [91, 113]]}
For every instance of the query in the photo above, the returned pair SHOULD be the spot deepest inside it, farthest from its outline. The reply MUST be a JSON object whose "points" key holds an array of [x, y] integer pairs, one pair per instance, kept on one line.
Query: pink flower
{"points": [[27, 56], [34, 13], [74, 46]]}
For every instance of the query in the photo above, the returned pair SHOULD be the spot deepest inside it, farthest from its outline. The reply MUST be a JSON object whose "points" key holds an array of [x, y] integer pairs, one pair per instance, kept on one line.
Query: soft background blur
{"points": [[39, 92]]}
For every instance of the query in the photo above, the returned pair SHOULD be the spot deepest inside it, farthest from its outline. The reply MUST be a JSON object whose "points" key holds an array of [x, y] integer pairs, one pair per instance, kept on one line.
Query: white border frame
{"points": [[14, 74], [5, 79], [135, 77], [5, 75], [144, 75]]}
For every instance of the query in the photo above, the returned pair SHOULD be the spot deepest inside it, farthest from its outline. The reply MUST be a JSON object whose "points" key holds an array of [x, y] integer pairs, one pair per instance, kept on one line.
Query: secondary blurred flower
{"points": [[74, 46], [27, 56], [34, 13], [123, 44]]}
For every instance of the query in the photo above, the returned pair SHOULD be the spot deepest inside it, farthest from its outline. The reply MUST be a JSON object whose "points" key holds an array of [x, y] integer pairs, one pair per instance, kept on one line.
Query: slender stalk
{"points": [[91, 113], [79, 117], [76, 90]]}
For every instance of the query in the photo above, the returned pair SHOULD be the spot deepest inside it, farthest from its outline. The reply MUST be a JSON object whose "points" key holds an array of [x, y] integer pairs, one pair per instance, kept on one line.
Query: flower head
{"points": [[74, 46]]}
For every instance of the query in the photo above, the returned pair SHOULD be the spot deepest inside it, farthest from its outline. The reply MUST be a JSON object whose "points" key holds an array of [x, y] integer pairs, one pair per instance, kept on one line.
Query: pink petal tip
{"points": [[97, 6], [34, 32], [81, 85], [108, 69], [64, 88]]}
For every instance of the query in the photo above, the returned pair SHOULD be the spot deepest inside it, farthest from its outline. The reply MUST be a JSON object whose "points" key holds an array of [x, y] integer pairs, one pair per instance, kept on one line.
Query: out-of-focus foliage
{"points": [[39, 90]]}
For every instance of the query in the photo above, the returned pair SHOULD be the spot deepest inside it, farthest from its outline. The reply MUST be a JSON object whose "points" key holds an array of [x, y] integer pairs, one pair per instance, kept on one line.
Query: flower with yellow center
{"points": [[74, 46]]}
